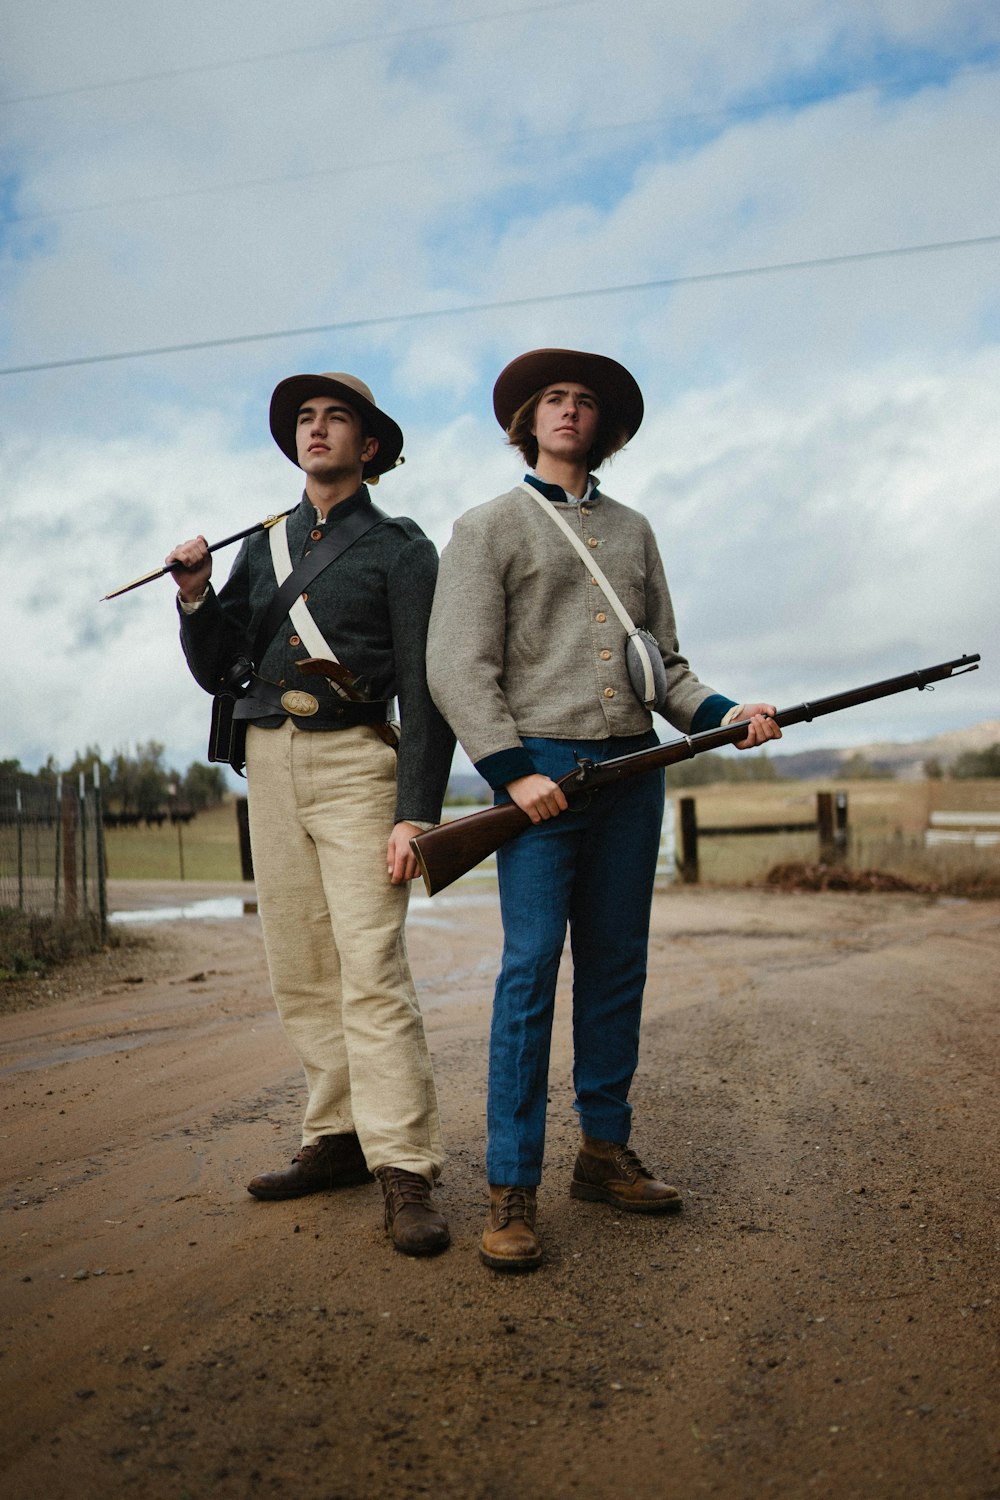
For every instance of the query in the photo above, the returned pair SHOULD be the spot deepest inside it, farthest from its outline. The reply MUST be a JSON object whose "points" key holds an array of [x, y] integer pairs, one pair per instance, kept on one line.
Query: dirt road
{"points": [[818, 1074]]}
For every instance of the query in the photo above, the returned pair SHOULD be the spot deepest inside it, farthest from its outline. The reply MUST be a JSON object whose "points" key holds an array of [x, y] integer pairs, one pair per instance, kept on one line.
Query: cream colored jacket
{"points": [[522, 640]]}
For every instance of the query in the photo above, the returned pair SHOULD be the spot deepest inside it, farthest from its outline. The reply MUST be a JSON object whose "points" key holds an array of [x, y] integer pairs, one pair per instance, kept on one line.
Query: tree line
{"points": [[970, 764], [136, 781], [714, 767], [139, 782]]}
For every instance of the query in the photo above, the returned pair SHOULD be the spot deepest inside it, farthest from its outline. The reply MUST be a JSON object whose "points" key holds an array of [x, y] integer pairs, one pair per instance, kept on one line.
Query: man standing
{"points": [[527, 661], [331, 806]]}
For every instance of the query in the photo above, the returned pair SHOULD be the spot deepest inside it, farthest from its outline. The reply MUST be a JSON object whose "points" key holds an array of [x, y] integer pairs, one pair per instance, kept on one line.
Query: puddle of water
{"points": [[445, 911], [75, 1051], [425, 911], [218, 908]]}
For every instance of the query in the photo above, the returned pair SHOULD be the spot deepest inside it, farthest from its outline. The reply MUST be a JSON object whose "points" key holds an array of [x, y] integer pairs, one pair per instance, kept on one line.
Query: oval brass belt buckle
{"points": [[303, 705]]}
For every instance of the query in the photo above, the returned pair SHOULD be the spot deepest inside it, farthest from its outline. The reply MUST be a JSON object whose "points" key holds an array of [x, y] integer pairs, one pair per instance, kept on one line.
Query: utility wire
{"points": [[746, 109], [311, 48], [350, 325]]}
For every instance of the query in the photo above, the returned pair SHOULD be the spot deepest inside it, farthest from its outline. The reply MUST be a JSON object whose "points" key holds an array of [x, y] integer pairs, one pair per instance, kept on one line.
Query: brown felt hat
{"points": [[290, 395], [612, 384]]}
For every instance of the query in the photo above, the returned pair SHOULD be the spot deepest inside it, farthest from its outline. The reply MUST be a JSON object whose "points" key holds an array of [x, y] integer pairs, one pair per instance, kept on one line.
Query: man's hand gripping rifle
{"points": [[452, 849]]}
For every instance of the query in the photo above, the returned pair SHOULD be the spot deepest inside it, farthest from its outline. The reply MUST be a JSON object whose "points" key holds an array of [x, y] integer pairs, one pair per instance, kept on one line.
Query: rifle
{"points": [[237, 536], [452, 849]]}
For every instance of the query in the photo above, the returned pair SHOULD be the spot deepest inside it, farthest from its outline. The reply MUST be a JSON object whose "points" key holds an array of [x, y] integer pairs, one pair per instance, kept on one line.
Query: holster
{"points": [[228, 735]]}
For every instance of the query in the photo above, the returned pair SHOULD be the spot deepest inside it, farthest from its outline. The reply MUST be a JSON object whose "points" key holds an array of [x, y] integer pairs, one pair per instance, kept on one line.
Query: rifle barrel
{"points": [[596, 774], [450, 850]]}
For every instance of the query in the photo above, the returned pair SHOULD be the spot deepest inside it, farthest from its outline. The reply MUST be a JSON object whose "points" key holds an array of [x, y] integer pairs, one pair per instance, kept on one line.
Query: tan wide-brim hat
{"points": [[291, 394], [614, 387]]}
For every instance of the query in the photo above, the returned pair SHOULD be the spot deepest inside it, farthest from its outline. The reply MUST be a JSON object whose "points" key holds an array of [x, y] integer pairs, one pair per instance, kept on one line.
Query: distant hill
{"points": [[904, 760]]}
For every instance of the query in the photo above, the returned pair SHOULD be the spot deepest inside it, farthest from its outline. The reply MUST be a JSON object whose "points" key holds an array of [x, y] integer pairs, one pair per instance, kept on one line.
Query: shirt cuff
{"points": [[505, 766], [712, 712], [189, 606]]}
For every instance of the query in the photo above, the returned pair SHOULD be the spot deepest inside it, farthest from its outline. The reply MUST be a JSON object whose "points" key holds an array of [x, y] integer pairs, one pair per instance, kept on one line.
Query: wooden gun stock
{"points": [[451, 850]]}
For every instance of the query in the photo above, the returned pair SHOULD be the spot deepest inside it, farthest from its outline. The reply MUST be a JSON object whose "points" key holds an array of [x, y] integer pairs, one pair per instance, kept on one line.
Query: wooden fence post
{"points": [[831, 820], [689, 841], [824, 824], [102, 856], [82, 825], [20, 850], [68, 815], [243, 825], [840, 830]]}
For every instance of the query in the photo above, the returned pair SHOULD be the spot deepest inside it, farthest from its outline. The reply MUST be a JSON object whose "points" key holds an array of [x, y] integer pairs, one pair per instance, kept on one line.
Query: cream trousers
{"points": [[321, 810]]}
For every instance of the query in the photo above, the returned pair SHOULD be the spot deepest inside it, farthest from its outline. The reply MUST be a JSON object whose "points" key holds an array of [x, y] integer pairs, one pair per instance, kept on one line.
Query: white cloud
{"points": [[849, 536]]}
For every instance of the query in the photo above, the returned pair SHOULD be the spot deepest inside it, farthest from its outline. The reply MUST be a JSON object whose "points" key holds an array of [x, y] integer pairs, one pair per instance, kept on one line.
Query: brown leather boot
{"points": [[509, 1241], [416, 1226], [333, 1161], [608, 1173]]}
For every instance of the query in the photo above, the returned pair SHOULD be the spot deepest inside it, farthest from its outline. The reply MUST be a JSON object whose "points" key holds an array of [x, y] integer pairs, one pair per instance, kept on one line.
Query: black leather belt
{"points": [[268, 700]]}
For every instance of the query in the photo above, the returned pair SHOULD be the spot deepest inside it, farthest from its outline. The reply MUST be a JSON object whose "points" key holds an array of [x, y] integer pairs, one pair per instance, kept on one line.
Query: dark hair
{"points": [[612, 433]]}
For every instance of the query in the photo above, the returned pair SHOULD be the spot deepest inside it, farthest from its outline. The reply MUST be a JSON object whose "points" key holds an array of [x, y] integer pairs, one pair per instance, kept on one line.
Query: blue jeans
{"points": [[593, 869]]}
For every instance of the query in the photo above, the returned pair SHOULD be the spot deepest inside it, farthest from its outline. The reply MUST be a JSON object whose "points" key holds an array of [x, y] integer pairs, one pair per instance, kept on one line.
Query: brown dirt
{"points": [[818, 1074]]}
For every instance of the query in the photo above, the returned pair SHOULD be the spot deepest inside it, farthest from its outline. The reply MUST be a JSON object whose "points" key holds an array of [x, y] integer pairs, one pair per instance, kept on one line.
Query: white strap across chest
{"points": [[588, 560], [308, 631]]}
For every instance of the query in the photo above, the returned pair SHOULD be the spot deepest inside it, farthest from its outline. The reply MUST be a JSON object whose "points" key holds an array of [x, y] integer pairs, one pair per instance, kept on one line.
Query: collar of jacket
{"points": [[557, 494], [337, 512]]}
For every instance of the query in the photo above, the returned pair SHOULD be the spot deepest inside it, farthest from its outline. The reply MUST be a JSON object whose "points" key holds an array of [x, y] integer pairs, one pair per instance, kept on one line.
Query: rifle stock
{"points": [[451, 850]]}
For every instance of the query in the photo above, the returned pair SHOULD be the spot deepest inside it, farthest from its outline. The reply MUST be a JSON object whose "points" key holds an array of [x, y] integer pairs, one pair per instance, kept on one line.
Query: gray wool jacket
{"points": [[372, 604], [523, 642]]}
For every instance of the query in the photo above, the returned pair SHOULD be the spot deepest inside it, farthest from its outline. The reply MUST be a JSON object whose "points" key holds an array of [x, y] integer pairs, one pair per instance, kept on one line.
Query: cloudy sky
{"points": [[782, 215]]}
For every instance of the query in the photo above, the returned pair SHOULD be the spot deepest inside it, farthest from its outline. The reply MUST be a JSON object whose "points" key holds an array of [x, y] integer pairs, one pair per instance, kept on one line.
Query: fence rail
{"points": [[829, 824], [52, 860], [980, 829]]}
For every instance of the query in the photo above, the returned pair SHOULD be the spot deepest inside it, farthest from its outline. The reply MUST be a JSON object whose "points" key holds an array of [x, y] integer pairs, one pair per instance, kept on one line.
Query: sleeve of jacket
{"points": [[216, 634], [426, 743], [691, 705], [465, 651]]}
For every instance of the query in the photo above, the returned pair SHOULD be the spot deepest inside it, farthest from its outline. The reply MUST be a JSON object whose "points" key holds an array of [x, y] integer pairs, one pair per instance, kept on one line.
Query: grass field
{"points": [[205, 849], [886, 823]]}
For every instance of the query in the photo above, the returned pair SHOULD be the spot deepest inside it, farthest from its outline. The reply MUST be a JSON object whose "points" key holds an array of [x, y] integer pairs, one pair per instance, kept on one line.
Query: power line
{"points": [[311, 48], [746, 109], [351, 325]]}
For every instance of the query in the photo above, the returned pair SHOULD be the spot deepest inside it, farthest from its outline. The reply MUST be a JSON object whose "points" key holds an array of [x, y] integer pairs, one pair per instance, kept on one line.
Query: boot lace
{"points": [[311, 1153], [402, 1188], [516, 1203], [629, 1164]]}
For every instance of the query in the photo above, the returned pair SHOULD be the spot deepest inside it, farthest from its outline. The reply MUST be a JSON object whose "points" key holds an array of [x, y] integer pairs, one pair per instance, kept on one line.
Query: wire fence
{"points": [[52, 861]]}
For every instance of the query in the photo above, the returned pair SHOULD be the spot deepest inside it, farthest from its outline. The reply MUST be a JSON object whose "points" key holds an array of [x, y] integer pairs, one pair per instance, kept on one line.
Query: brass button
{"points": [[305, 598], [593, 580], [281, 683], [600, 617], [591, 541], [605, 656], [316, 536], [585, 510], [293, 640], [609, 692]]}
